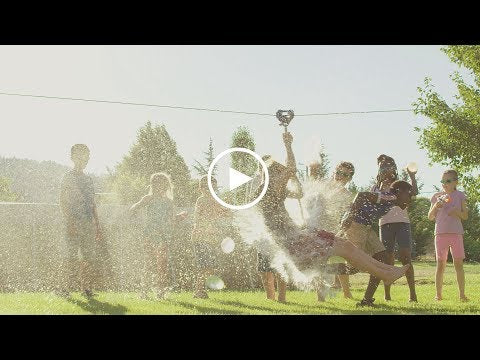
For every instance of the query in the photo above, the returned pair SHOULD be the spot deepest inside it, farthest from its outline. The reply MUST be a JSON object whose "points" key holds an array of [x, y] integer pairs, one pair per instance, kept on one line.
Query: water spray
{"points": [[285, 117]]}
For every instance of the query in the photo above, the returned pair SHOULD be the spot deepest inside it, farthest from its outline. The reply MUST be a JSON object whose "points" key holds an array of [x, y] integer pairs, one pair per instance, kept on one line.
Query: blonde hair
{"points": [[166, 177], [451, 172]]}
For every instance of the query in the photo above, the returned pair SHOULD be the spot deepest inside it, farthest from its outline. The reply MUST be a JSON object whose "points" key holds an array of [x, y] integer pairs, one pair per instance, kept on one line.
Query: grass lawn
{"points": [[234, 302]]}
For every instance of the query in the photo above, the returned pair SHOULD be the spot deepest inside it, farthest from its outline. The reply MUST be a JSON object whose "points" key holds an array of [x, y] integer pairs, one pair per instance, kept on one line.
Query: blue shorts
{"points": [[399, 233], [205, 255]]}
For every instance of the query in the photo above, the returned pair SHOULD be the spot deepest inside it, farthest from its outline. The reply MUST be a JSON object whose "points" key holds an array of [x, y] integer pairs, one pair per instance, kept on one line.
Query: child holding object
{"points": [[448, 209], [395, 225], [157, 233], [310, 246], [211, 222]]}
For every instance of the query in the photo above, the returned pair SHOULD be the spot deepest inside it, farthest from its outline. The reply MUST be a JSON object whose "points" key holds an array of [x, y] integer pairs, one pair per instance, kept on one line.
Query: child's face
{"points": [[449, 182], [387, 173], [404, 198], [80, 159], [160, 185], [343, 175]]}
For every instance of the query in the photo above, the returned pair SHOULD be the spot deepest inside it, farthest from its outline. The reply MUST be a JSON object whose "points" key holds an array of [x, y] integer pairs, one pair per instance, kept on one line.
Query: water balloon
{"points": [[228, 245], [215, 283], [412, 167]]}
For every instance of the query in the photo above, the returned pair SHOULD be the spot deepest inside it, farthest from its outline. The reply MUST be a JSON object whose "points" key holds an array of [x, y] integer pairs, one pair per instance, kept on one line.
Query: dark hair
{"points": [[79, 148], [400, 185], [451, 172], [385, 161], [347, 165], [384, 158]]}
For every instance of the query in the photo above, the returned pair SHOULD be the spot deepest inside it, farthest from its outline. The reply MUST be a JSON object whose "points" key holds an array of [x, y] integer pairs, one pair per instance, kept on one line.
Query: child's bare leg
{"points": [[320, 288], [458, 263], [406, 258], [344, 281], [268, 281], [374, 281], [362, 261], [161, 268], [441, 264], [390, 260], [282, 289]]}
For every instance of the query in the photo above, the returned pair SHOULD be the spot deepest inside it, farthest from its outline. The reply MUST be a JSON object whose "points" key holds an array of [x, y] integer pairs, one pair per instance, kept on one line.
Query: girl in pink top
{"points": [[448, 209]]}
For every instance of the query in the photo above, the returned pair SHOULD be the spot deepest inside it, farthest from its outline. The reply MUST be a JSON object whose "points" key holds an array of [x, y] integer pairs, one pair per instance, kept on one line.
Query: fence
{"points": [[32, 250]]}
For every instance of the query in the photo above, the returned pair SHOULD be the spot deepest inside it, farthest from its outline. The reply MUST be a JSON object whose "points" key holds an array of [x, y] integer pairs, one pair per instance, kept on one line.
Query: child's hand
{"points": [[411, 173], [439, 204]]}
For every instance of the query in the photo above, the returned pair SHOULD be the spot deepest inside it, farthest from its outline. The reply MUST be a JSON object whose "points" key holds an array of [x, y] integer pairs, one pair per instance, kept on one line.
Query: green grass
{"points": [[234, 302]]}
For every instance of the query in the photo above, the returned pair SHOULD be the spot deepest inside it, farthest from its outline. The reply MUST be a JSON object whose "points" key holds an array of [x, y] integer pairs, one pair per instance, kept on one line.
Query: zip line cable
{"points": [[194, 108]]}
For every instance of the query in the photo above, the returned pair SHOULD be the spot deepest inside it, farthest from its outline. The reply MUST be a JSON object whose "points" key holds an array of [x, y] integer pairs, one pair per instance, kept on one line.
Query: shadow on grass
{"points": [[248, 307], [205, 309], [94, 306]]}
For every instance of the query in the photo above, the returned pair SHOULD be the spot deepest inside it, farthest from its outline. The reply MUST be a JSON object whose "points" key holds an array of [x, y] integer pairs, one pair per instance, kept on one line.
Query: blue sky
{"points": [[307, 79]]}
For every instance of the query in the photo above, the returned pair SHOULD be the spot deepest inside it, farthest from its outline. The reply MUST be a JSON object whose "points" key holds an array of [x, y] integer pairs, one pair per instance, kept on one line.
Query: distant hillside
{"points": [[37, 181]]}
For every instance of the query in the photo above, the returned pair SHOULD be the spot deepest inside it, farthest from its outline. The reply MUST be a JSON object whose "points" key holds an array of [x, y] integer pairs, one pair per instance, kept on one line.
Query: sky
{"points": [[307, 79]]}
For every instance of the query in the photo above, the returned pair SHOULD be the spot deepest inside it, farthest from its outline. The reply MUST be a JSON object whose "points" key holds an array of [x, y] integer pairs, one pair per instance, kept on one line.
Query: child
{"points": [[395, 225], [367, 208], [310, 245], [210, 224], [328, 214], [276, 216], [157, 232], [83, 228], [448, 209]]}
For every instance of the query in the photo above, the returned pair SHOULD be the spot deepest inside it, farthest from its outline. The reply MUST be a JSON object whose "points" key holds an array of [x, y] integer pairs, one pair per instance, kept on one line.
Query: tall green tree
{"points": [[202, 169], [245, 163], [154, 151], [453, 137]]}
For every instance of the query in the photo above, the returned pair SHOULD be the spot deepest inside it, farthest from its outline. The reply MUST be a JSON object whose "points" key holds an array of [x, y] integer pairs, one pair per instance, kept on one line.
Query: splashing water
{"points": [[227, 245], [324, 203], [215, 283]]}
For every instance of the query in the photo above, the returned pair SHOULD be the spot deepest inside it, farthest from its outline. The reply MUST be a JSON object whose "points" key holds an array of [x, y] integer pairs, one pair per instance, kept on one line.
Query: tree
{"points": [[154, 151], [6, 194], [245, 163], [202, 169], [319, 169], [453, 138]]}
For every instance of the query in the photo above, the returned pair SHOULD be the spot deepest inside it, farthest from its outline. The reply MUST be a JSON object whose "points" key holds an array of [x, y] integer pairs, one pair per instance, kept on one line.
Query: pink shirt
{"points": [[444, 223]]}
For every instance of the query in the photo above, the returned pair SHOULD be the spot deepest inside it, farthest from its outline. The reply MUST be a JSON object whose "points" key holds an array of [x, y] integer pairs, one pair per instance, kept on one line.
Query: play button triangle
{"points": [[236, 179]]}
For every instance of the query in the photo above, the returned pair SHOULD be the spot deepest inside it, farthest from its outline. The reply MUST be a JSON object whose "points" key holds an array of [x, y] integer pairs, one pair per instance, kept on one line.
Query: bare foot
{"points": [[397, 274], [387, 298], [463, 298], [282, 301], [438, 298], [348, 296]]}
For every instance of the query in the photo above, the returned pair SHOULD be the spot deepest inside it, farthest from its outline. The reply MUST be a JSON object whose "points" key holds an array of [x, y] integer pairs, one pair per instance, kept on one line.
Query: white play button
{"points": [[236, 178]]}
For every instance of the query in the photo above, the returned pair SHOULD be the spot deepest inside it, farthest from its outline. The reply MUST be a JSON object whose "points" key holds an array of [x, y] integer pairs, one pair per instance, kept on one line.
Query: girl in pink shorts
{"points": [[448, 209]]}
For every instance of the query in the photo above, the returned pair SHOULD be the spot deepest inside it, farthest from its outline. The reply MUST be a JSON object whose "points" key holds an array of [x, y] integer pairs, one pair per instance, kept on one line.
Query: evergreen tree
{"points": [[245, 163], [202, 169], [154, 151]]}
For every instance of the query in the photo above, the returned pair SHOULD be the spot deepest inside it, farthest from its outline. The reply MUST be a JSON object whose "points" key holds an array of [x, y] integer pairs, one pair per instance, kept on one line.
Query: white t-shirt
{"points": [[395, 215]]}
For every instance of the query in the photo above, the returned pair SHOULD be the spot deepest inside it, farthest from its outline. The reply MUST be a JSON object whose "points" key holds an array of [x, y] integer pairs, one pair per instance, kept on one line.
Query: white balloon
{"points": [[215, 283], [228, 245]]}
